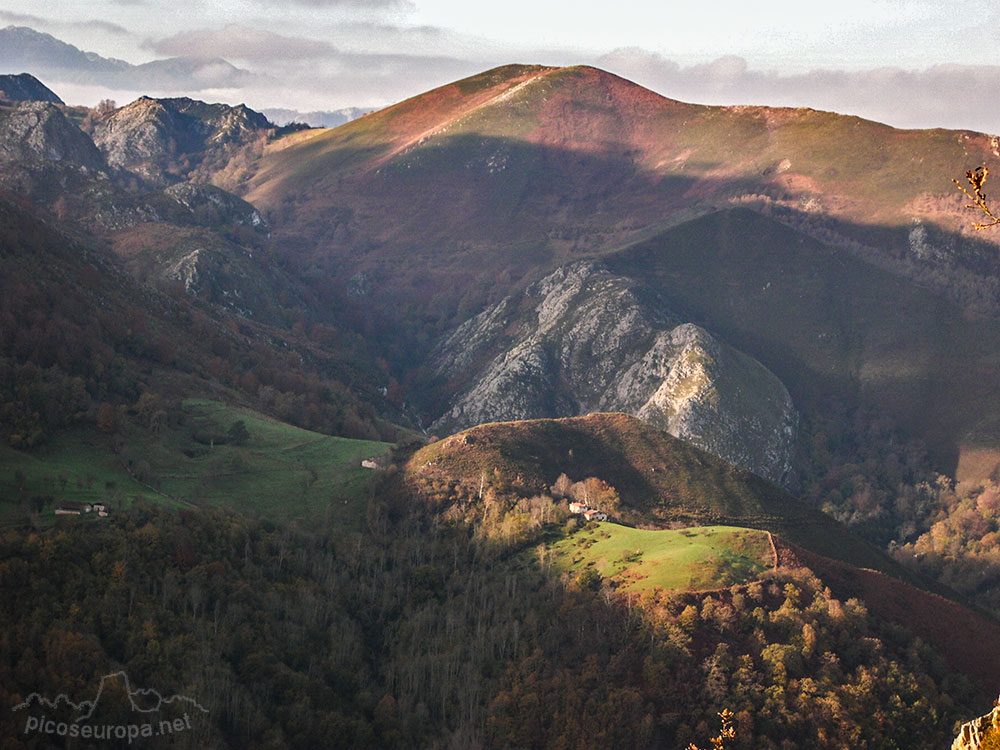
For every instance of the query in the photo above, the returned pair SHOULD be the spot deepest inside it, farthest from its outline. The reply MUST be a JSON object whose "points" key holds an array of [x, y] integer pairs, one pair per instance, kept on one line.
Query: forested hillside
{"points": [[419, 633], [537, 411]]}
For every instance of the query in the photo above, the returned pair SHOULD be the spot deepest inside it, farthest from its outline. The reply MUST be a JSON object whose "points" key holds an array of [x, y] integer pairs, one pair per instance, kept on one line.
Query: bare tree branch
{"points": [[977, 178]]}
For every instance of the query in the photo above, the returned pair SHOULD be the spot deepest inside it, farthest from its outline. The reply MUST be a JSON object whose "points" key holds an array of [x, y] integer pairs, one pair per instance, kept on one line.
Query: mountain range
{"points": [[545, 286], [318, 119], [835, 251], [23, 48]]}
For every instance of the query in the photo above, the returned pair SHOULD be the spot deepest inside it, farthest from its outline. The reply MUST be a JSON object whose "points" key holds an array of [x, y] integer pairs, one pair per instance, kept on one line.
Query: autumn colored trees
{"points": [[962, 545], [592, 492], [78, 336], [421, 631]]}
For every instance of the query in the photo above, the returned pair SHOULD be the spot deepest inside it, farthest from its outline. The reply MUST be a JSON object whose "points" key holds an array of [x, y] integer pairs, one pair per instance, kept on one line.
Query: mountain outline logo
{"points": [[87, 707]]}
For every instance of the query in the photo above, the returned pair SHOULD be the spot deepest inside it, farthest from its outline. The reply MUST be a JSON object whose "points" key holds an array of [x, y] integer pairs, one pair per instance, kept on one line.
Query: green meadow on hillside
{"points": [[75, 466], [279, 471], [696, 559]]}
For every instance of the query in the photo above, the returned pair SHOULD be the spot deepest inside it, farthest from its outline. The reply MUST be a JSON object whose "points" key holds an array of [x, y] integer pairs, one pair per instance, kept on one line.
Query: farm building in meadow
{"points": [[78, 509]]}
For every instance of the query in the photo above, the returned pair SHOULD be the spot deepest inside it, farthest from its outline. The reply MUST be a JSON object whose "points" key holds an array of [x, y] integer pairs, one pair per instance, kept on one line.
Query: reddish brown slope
{"points": [[524, 167], [562, 118], [427, 212], [967, 640]]}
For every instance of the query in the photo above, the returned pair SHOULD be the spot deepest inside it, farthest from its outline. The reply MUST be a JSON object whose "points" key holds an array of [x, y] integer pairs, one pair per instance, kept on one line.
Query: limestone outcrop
{"points": [[584, 340], [972, 733]]}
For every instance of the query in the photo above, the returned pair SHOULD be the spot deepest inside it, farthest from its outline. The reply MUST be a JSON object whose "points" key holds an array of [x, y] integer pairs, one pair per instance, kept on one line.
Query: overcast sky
{"points": [[916, 63]]}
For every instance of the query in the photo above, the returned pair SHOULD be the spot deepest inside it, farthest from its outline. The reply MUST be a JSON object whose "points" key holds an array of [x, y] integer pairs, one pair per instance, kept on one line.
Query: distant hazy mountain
{"points": [[24, 87], [319, 119], [23, 48]]}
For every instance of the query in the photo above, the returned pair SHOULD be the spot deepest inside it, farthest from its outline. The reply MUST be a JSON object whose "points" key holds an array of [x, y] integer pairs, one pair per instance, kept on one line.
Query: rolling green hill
{"points": [[280, 471], [535, 164], [525, 130]]}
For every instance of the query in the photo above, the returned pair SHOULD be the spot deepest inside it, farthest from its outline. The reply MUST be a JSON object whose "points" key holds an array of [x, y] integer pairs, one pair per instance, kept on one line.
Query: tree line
{"points": [[423, 631]]}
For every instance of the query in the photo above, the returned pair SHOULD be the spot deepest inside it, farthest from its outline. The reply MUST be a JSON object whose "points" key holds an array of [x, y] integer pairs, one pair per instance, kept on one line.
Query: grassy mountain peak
{"points": [[522, 168]]}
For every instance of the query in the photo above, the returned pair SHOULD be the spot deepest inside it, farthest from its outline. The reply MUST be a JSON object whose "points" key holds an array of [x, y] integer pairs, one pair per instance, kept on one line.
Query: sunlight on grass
{"points": [[699, 558]]}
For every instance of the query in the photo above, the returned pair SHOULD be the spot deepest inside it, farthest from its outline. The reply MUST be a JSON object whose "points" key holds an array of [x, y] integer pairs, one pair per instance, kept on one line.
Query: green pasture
{"points": [[696, 559], [280, 471]]}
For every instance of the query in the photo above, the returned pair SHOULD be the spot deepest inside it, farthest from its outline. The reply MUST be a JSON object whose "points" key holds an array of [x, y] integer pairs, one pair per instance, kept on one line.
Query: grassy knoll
{"points": [[661, 480], [657, 476], [279, 471], [698, 558]]}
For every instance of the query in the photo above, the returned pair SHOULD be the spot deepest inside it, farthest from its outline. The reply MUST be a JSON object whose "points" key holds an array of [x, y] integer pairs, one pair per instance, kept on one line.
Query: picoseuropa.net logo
{"points": [[63, 718]]}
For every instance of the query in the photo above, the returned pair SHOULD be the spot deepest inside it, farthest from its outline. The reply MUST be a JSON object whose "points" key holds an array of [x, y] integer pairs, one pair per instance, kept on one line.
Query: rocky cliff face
{"points": [[584, 340], [167, 139], [207, 239], [46, 158], [33, 132], [972, 733], [212, 206]]}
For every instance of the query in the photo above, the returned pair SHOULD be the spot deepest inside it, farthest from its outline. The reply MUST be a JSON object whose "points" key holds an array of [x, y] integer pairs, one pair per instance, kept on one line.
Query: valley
{"points": [[347, 394]]}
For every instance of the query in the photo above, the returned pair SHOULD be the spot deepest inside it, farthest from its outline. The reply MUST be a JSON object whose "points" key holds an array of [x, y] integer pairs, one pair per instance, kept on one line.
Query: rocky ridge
{"points": [[584, 340], [198, 235], [46, 158], [37, 131], [972, 733], [166, 139]]}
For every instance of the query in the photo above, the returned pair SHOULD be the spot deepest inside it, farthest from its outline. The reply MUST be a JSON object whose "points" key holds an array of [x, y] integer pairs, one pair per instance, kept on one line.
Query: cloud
{"points": [[318, 67], [358, 38], [186, 74], [370, 4], [105, 26], [948, 96], [95, 24], [359, 80], [11, 17], [237, 42]]}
